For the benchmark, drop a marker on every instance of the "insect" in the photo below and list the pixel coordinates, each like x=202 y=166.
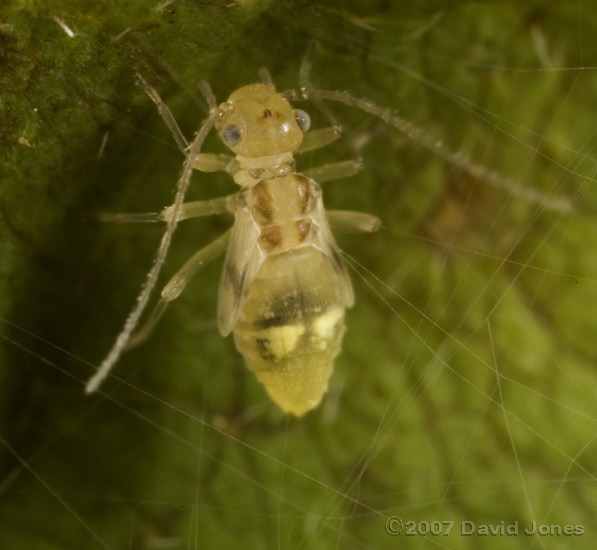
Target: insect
x=284 y=288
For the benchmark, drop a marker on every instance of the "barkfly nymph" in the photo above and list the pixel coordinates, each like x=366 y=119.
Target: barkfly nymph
x=284 y=287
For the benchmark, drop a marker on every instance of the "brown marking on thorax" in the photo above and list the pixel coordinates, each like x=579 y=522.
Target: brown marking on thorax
x=271 y=237
x=262 y=202
x=303 y=227
x=281 y=206
x=303 y=192
x=280 y=199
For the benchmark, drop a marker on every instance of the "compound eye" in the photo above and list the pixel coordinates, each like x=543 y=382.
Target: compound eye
x=302 y=119
x=231 y=135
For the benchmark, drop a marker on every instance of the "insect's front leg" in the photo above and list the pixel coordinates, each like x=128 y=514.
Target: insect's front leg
x=315 y=139
x=335 y=171
x=210 y=162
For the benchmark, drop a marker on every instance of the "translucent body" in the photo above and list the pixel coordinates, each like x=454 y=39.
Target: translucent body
x=286 y=303
x=284 y=287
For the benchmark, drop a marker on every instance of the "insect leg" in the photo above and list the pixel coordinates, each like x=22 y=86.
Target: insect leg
x=349 y=221
x=194 y=209
x=209 y=162
x=205 y=162
x=319 y=138
x=335 y=171
x=128 y=217
x=177 y=284
x=197 y=209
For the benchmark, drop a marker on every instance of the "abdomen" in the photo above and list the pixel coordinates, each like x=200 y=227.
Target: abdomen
x=291 y=325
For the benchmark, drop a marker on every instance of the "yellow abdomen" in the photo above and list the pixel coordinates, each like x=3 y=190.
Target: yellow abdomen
x=291 y=325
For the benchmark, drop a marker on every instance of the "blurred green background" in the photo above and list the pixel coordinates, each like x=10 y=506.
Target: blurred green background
x=466 y=387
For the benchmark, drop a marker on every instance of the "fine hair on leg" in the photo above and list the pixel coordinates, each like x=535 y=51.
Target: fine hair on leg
x=418 y=135
x=152 y=277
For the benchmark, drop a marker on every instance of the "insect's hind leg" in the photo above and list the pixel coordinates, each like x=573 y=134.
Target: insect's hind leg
x=177 y=284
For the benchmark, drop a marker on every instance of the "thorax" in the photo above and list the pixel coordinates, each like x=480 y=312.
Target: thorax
x=283 y=204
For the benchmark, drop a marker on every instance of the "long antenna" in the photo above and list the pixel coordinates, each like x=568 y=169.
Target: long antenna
x=181 y=188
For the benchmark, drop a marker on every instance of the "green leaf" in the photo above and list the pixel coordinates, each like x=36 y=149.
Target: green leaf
x=465 y=279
